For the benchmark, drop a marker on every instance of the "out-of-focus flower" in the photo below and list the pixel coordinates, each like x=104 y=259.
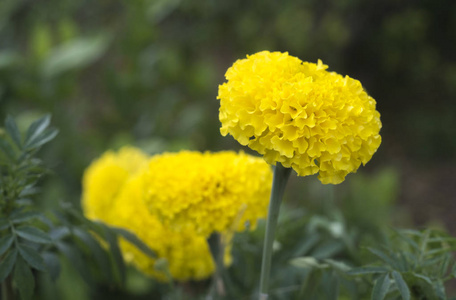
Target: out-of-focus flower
x=300 y=115
x=105 y=177
x=209 y=192
x=113 y=192
x=187 y=253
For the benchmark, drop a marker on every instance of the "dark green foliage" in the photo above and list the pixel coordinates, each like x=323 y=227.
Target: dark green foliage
x=30 y=240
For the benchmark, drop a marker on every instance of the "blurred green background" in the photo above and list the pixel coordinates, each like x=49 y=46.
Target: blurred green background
x=146 y=72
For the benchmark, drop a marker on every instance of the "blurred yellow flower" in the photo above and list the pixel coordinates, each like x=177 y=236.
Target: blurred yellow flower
x=208 y=192
x=187 y=253
x=105 y=177
x=300 y=115
x=113 y=192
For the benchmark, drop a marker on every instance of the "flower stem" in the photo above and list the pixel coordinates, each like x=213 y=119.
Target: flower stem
x=279 y=182
x=217 y=250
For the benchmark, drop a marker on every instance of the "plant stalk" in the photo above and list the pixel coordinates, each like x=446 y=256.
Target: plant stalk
x=217 y=250
x=279 y=181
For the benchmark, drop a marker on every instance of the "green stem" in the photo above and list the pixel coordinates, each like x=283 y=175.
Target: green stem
x=217 y=250
x=279 y=182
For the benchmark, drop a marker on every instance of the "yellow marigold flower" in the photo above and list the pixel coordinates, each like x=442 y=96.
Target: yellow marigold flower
x=300 y=115
x=210 y=192
x=187 y=253
x=113 y=191
x=105 y=177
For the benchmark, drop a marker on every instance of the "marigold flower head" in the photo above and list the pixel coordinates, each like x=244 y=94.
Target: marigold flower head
x=104 y=178
x=210 y=192
x=113 y=192
x=300 y=115
x=186 y=252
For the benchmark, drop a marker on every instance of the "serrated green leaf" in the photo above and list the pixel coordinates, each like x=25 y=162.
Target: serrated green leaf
x=37 y=127
x=6 y=148
x=42 y=138
x=33 y=234
x=401 y=285
x=32 y=256
x=52 y=262
x=367 y=270
x=13 y=131
x=5 y=243
x=381 y=287
x=23 y=277
x=25 y=216
x=132 y=238
x=7 y=264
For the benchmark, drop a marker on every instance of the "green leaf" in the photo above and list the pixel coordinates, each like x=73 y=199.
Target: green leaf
x=59 y=233
x=5 y=243
x=401 y=285
x=6 y=148
x=25 y=216
x=4 y=223
x=307 y=262
x=135 y=241
x=13 y=131
x=37 y=127
x=409 y=241
x=328 y=249
x=52 y=262
x=29 y=190
x=338 y=265
x=367 y=270
x=113 y=242
x=32 y=257
x=33 y=234
x=96 y=250
x=425 y=278
x=8 y=58
x=307 y=244
x=440 y=290
x=383 y=256
x=23 y=277
x=381 y=287
x=7 y=264
x=444 y=265
x=74 y=54
x=42 y=138
x=75 y=258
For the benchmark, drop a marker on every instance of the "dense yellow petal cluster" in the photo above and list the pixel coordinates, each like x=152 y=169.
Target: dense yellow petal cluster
x=186 y=252
x=300 y=115
x=113 y=188
x=105 y=177
x=209 y=192
x=195 y=194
